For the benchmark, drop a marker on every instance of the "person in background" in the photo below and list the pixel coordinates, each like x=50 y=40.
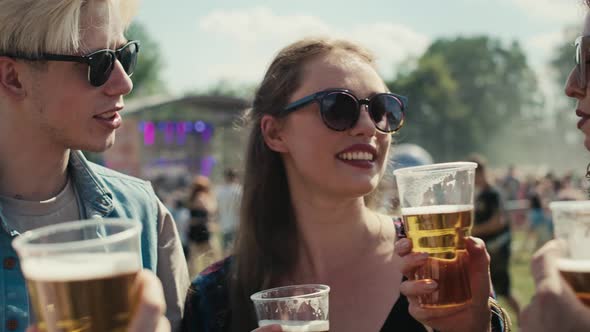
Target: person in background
x=491 y=225
x=202 y=206
x=511 y=184
x=402 y=155
x=65 y=67
x=182 y=216
x=229 y=195
x=539 y=224
x=555 y=307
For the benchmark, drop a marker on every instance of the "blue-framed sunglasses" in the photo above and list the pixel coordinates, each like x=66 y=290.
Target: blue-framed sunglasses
x=340 y=109
x=100 y=63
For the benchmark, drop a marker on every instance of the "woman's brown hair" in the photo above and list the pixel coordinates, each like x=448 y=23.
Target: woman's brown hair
x=266 y=247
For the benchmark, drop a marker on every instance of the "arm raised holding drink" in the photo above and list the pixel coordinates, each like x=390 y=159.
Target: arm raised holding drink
x=149 y=315
x=473 y=316
x=554 y=306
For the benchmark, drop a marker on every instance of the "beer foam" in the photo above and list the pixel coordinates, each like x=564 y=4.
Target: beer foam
x=298 y=326
x=572 y=265
x=436 y=209
x=76 y=267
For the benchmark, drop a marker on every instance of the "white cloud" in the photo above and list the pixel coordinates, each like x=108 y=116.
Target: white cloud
x=544 y=44
x=557 y=10
x=253 y=36
x=260 y=25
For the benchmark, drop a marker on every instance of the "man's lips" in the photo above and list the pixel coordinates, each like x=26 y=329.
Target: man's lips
x=110 y=119
x=110 y=113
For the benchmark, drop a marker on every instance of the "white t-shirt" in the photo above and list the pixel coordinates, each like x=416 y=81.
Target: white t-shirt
x=24 y=215
x=229 y=197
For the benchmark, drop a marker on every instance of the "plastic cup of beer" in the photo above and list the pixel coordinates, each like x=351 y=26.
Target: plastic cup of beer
x=437 y=208
x=80 y=274
x=297 y=308
x=571 y=221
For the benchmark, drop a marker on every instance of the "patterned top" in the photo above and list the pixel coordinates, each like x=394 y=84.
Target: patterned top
x=207 y=307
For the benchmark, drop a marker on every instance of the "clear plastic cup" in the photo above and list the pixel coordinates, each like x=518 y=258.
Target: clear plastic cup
x=297 y=308
x=80 y=274
x=571 y=221
x=437 y=207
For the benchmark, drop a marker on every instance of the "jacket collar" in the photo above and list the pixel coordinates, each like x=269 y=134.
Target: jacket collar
x=95 y=200
x=94 y=196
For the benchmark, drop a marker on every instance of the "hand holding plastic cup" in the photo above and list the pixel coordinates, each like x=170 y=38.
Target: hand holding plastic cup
x=437 y=207
x=80 y=274
x=571 y=220
x=297 y=308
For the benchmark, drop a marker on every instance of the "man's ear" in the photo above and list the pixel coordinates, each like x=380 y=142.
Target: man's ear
x=272 y=132
x=10 y=77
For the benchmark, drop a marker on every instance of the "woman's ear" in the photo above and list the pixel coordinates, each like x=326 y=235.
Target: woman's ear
x=271 y=129
x=10 y=80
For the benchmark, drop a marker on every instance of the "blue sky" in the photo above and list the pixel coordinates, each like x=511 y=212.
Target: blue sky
x=205 y=41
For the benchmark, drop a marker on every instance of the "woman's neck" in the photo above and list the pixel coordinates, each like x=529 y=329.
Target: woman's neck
x=331 y=235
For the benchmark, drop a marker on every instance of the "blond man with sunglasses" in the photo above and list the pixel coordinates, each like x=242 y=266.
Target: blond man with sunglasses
x=555 y=307
x=65 y=66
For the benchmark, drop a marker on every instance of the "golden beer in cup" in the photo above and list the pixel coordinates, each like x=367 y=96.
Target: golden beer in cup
x=80 y=274
x=437 y=209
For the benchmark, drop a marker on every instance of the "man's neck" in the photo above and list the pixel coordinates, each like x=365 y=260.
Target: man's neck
x=32 y=172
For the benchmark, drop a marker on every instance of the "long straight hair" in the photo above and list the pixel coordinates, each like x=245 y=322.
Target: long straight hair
x=266 y=247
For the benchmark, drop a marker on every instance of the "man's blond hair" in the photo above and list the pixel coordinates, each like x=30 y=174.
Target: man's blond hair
x=32 y=27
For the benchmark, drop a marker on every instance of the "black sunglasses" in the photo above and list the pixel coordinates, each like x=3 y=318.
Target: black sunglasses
x=340 y=109
x=582 y=48
x=100 y=63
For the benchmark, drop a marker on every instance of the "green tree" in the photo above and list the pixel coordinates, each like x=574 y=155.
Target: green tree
x=228 y=88
x=463 y=91
x=146 y=79
x=563 y=55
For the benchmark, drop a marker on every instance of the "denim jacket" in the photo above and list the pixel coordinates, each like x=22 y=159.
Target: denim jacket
x=101 y=193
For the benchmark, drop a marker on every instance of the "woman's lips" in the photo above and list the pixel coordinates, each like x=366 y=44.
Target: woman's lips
x=584 y=117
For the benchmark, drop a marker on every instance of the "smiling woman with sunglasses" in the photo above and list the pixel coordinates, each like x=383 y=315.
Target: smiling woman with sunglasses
x=65 y=66
x=321 y=125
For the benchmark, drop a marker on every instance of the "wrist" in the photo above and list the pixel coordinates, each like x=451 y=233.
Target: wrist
x=481 y=322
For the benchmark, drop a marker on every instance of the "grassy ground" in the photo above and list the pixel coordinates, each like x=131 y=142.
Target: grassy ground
x=522 y=282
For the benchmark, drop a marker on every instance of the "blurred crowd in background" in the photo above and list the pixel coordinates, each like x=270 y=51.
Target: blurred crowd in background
x=207 y=211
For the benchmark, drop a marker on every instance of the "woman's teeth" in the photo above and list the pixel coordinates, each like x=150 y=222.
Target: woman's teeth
x=356 y=156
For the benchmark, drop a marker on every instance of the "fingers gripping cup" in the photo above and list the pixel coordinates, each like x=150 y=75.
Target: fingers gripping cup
x=437 y=207
x=297 y=308
x=80 y=274
x=572 y=229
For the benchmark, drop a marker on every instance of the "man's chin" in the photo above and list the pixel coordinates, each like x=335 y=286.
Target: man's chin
x=96 y=148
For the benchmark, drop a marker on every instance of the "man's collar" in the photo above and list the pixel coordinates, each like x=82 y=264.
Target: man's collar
x=93 y=192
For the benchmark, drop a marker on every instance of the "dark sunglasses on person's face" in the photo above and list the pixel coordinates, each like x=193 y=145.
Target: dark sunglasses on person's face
x=100 y=63
x=582 y=60
x=340 y=109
